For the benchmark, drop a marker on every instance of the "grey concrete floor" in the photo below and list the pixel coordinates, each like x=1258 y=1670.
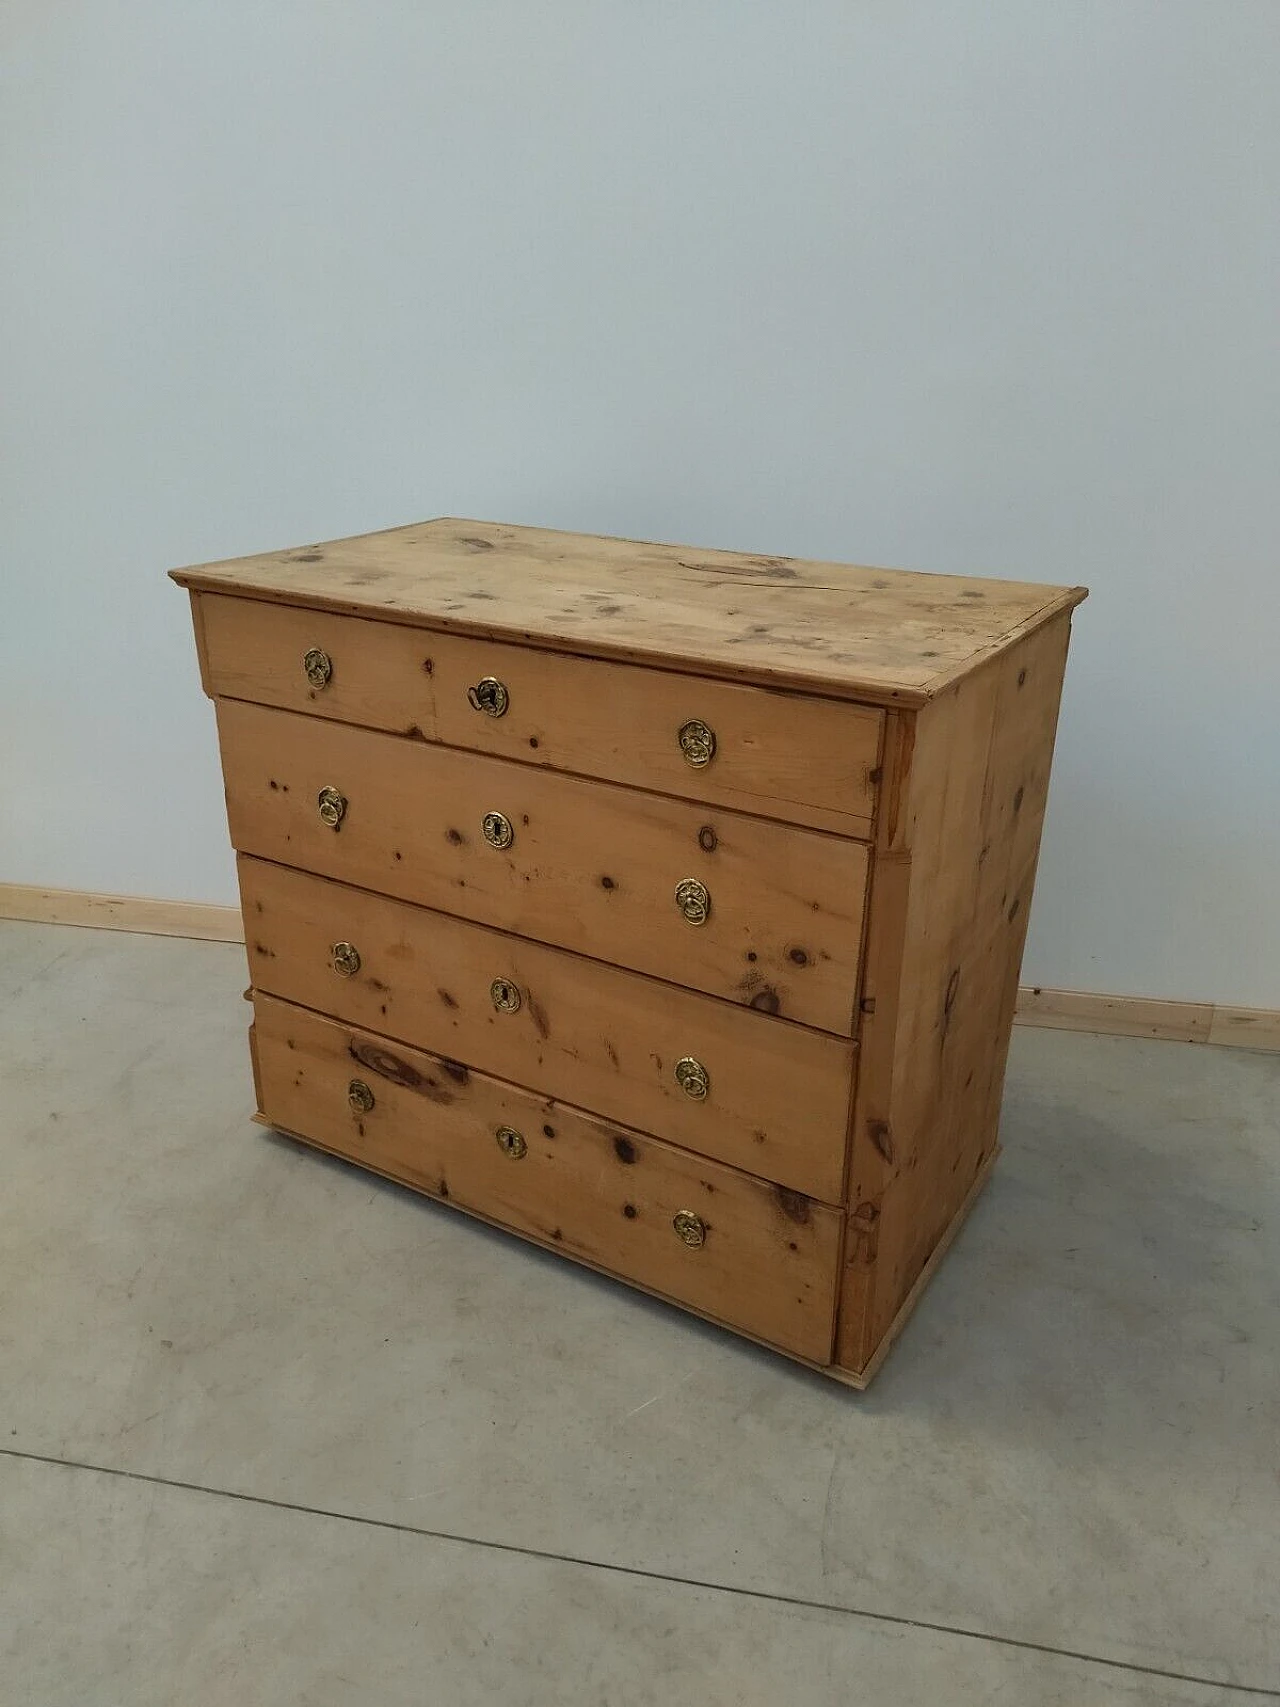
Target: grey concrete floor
x=274 y=1431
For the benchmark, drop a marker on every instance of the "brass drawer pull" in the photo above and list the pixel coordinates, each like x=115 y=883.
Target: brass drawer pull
x=497 y=830
x=317 y=666
x=333 y=806
x=359 y=1096
x=691 y=1076
x=511 y=1142
x=344 y=957
x=691 y=1229
x=694 y=900
x=490 y=696
x=697 y=743
x=505 y=996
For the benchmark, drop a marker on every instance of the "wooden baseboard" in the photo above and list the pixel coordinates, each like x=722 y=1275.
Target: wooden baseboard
x=1145 y=1016
x=1065 y=1010
x=139 y=913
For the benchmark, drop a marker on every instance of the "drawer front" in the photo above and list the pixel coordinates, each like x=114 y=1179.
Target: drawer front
x=757 y=1257
x=343 y=667
x=782 y=755
x=746 y=1089
x=610 y=872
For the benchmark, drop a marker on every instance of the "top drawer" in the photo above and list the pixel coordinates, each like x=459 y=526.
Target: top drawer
x=781 y=755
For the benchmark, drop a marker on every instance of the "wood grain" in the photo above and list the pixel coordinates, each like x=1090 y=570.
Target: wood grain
x=141 y=913
x=605 y=1039
x=783 y=755
x=849 y=706
x=1085 y=1010
x=1121 y=1016
x=601 y=1193
x=382 y=676
x=951 y=890
x=1245 y=1028
x=864 y=1377
x=593 y=867
x=884 y=636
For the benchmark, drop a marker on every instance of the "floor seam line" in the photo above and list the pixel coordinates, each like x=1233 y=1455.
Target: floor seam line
x=901 y=1620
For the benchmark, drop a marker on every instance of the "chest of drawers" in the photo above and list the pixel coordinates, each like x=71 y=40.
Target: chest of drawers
x=662 y=906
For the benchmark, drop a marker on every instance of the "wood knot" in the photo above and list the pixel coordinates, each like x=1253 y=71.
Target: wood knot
x=794 y=1205
x=881 y=1135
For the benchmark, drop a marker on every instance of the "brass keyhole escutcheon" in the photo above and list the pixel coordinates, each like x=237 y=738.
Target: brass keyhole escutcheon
x=691 y=1229
x=697 y=743
x=505 y=995
x=497 y=830
x=333 y=806
x=344 y=957
x=317 y=666
x=694 y=900
x=691 y=1076
x=511 y=1142
x=359 y=1096
x=490 y=696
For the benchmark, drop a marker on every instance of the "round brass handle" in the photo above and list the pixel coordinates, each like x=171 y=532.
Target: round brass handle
x=344 y=957
x=511 y=1142
x=317 y=666
x=332 y=804
x=490 y=696
x=359 y=1096
x=697 y=743
x=497 y=830
x=694 y=900
x=505 y=995
x=692 y=1078
x=691 y=1229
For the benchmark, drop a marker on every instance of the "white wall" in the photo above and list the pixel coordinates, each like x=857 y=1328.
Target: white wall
x=988 y=287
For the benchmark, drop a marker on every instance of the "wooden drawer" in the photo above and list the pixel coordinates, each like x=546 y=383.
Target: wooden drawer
x=768 y=1258
x=775 y=1097
x=592 y=867
x=782 y=755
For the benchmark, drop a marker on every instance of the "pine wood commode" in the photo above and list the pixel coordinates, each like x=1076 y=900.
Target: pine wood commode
x=662 y=906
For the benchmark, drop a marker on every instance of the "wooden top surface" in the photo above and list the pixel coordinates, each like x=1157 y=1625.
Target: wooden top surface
x=886 y=635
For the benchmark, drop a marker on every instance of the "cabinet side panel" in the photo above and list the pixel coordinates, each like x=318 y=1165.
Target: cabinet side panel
x=202 y=644
x=257 y=1070
x=951 y=892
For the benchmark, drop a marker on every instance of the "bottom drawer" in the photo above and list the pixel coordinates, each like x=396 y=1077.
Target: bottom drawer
x=749 y=1254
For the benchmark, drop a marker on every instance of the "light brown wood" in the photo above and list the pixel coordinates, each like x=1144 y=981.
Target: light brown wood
x=950 y=895
x=863 y=1378
x=143 y=914
x=1147 y=1016
x=867 y=829
x=1080 y=1010
x=883 y=636
x=593 y=867
x=383 y=674
x=1245 y=1028
x=843 y=1377
x=1120 y=1016
x=781 y=755
x=591 y=1034
x=1068 y=1010
x=605 y=1194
